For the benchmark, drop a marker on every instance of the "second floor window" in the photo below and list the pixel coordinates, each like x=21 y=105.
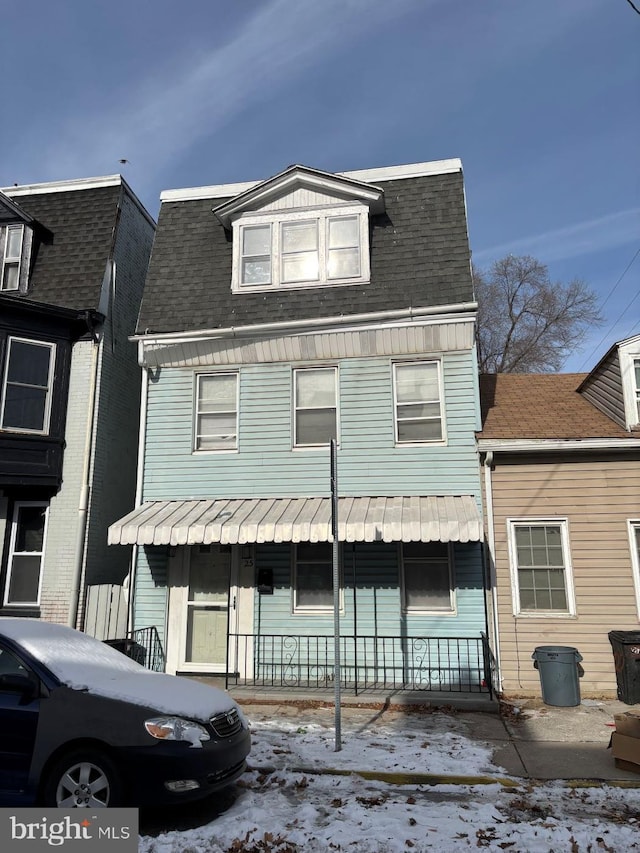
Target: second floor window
x=418 y=409
x=636 y=377
x=315 y=406
x=11 y=239
x=216 y=420
x=26 y=391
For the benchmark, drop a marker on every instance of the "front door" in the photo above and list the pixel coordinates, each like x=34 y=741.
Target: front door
x=207 y=608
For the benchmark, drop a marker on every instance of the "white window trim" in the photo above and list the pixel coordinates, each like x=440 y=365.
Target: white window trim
x=294 y=407
x=632 y=525
x=571 y=612
x=12 y=552
x=195 y=414
x=47 y=409
x=310 y=610
x=452 y=610
x=434 y=442
x=629 y=389
x=14 y=260
x=276 y=219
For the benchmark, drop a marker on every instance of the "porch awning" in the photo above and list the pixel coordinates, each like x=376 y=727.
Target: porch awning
x=250 y=520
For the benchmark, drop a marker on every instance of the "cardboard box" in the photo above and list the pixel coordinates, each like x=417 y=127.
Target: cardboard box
x=626 y=750
x=628 y=723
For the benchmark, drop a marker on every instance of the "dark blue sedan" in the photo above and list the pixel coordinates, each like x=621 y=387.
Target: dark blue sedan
x=82 y=725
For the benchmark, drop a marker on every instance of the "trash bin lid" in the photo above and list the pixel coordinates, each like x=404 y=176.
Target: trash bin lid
x=554 y=652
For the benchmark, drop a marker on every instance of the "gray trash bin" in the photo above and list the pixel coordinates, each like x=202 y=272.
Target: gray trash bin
x=559 y=674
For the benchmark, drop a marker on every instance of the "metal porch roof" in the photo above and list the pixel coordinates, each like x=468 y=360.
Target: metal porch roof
x=251 y=520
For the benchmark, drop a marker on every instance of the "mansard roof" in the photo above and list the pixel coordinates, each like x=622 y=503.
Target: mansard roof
x=419 y=251
x=75 y=223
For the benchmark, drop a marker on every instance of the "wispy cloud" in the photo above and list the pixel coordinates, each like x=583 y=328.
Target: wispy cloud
x=183 y=102
x=583 y=238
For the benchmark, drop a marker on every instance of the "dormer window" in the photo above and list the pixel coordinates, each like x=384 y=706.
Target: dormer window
x=301 y=248
x=301 y=228
x=12 y=238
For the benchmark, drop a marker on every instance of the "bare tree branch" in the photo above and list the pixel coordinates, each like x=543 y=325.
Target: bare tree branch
x=526 y=322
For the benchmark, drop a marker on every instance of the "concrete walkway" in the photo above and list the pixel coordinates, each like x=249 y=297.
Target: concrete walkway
x=529 y=739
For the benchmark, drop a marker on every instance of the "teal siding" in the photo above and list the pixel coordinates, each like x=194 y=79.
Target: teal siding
x=265 y=464
x=377 y=600
x=368 y=464
x=151 y=589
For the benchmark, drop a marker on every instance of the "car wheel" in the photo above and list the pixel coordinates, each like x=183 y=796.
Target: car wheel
x=83 y=779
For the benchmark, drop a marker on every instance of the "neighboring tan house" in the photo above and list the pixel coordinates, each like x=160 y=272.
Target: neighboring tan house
x=279 y=315
x=73 y=259
x=561 y=469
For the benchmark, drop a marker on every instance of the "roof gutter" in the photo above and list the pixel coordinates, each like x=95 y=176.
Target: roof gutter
x=545 y=445
x=308 y=324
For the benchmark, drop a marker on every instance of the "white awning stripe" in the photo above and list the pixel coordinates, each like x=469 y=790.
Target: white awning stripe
x=251 y=520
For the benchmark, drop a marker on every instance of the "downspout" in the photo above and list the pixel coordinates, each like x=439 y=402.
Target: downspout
x=83 y=504
x=491 y=563
x=131 y=578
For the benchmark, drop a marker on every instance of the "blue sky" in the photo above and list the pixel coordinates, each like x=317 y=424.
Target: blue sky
x=540 y=100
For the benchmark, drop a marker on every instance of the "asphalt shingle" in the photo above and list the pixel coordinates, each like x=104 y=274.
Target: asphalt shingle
x=419 y=257
x=541 y=406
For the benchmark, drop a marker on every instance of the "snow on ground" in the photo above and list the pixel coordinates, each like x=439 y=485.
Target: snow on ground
x=288 y=801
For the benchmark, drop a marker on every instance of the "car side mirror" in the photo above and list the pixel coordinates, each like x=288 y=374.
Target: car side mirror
x=25 y=685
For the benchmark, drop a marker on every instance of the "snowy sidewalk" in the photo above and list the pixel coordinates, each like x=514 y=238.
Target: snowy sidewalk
x=403 y=781
x=533 y=741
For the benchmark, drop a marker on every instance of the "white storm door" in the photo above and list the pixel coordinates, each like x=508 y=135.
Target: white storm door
x=207 y=610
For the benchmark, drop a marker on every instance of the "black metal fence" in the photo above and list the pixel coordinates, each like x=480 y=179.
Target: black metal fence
x=147 y=648
x=297 y=662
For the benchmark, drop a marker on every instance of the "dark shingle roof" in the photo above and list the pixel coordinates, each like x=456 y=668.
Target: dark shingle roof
x=419 y=257
x=541 y=406
x=75 y=230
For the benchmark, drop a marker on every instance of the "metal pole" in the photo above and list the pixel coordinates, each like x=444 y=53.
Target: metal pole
x=336 y=591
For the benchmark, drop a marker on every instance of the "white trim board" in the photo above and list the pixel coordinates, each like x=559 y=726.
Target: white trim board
x=384 y=173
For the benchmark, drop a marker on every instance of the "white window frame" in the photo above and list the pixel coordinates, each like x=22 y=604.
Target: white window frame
x=311 y=610
x=11 y=260
x=630 y=390
x=196 y=412
x=322 y=215
x=13 y=553
x=428 y=611
x=49 y=388
x=443 y=427
x=633 y=524
x=294 y=397
x=563 y=523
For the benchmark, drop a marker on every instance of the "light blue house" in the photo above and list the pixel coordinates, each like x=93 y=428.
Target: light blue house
x=277 y=316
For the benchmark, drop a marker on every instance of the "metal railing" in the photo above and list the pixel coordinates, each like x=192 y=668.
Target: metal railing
x=298 y=662
x=147 y=648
